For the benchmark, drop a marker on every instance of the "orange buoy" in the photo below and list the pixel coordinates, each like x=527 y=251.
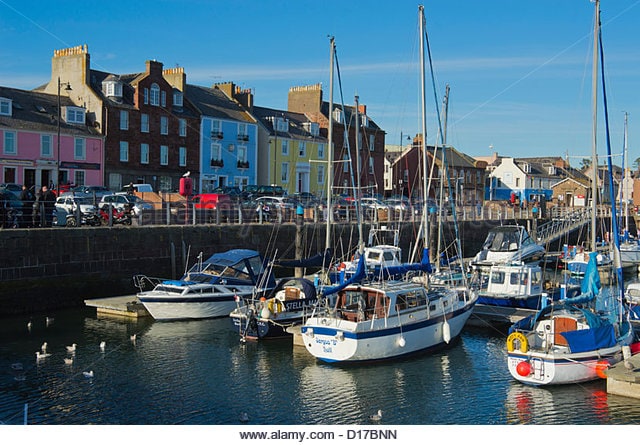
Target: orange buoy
x=523 y=369
x=601 y=368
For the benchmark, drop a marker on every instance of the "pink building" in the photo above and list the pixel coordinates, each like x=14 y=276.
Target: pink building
x=29 y=149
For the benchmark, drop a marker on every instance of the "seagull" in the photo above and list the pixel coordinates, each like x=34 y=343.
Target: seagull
x=628 y=365
x=68 y=361
x=133 y=338
x=40 y=355
x=49 y=321
x=103 y=345
x=244 y=417
x=29 y=326
x=377 y=416
x=44 y=347
x=72 y=348
x=88 y=374
x=186 y=175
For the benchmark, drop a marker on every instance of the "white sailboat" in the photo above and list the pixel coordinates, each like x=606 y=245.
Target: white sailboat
x=575 y=339
x=387 y=319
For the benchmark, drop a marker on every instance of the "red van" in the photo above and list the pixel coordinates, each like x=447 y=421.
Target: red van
x=212 y=201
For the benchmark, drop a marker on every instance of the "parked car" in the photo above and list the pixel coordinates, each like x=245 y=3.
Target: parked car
x=12 y=188
x=398 y=205
x=69 y=203
x=344 y=208
x=212 y=201
x=277 y=202
x=270 y=190
x=234 y=193
x=124 y=201
x=142 y=188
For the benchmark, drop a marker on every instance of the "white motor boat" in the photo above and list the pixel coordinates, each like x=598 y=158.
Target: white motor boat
x=210 y=289
x=508 y=245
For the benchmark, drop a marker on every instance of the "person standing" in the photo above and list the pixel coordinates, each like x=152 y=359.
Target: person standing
x=27 y=199
x=48 y=205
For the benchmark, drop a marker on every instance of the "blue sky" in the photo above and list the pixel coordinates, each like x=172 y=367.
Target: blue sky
x=519 y=71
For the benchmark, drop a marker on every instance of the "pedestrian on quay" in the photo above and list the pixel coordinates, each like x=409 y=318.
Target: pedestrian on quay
x=27 y=198
x=36 y=212
x=49 y=203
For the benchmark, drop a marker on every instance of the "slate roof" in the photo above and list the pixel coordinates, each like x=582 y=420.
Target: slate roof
x=349 y=114
x=212 y=102
x=296 y=122
x=36 y=111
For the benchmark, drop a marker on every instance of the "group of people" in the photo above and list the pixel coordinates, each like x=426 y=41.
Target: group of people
x=38 y=208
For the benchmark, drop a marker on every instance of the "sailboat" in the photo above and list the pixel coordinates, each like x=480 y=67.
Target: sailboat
x=385 y=320
x=629 y=248
x=575 y=339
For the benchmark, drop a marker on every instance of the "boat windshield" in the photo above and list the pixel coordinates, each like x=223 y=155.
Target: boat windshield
x=502 y=241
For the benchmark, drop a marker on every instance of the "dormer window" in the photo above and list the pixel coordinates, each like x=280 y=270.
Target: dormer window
x=312 y=127
x=74 y=115
x=526 y=167
x=177 y=98
x=337 y=116
x=112 y=87
x=552 y=169
x=5 y=106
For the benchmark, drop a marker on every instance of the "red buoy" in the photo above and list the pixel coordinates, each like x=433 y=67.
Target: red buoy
x=523 y=369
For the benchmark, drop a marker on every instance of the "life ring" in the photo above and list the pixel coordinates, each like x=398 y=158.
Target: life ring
x=511 y=342
x=275 y=308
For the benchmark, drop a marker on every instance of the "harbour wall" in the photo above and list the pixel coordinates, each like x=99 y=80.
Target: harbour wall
x=47 y=269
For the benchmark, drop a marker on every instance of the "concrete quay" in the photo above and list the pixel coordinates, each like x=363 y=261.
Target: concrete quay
x=623 y=378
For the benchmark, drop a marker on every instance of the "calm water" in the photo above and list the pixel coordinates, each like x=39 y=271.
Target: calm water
x=198 y=373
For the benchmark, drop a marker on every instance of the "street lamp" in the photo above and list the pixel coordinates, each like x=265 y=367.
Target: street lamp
x=67 y=88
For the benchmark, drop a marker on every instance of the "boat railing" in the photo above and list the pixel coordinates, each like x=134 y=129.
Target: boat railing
x=144 y=282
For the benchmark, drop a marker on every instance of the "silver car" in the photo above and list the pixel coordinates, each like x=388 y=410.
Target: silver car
x=123 y=201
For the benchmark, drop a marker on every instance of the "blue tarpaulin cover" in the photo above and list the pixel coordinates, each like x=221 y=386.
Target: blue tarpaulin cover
x=585 y=340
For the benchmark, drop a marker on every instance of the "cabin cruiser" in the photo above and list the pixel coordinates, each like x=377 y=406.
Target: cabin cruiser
x=508 y=245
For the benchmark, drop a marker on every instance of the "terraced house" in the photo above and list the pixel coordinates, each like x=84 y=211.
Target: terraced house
x=151 y=132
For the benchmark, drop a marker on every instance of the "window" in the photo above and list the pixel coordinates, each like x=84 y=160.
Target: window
x=345 y=164
x=285 y=147
x=5 y=106
x=155 y=95
x=75 y=115
x=337 y=115
x=320 y=174
x=145 y=96
x=242 y=153
x=144 y=153
x=216 y=127
x=124 y=151
x=79 y=149
x=182 y=156
x=124 y=120
x=372 y=142
x=370 y=166
x=285 y=172
x=216 y=152
x=182 y=129
x=144 y=123
x=10 y=143
x=242 y=131
x=164 y=155
x=164 y=125
x=78 y=177
x=46 y=142
x=302 y=149
x=320 y=151
x=163 y=98
x=177 y=98
x=517 y=182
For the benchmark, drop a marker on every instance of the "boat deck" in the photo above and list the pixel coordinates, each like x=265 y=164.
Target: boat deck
x=122 y=306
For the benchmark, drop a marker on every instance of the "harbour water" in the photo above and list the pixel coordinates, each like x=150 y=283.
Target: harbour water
x=199 y=373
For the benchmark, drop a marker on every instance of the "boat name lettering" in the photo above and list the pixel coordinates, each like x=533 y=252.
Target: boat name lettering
x=299 y=304
x=326 y=342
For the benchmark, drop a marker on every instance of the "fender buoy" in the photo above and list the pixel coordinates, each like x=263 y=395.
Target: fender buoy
x=601 y=368
x=275 y=306
x=342 y=266
x=511 y=342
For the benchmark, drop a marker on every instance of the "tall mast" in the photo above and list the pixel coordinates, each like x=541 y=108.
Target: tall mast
x=358 y=172
x=425 y=229
x=594 y=131
x=330 y=146
x=624 y=181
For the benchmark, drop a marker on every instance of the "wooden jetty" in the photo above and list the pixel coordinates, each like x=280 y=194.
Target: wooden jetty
x=623 y=378
x=122 y=306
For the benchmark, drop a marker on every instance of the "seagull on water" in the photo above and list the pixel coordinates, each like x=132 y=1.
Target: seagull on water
x=29 y=324
x=377 y=416
x=88 y=374
x=72 y=348
x=44 y=347
x=133 y=338
x=41 y=355
x=244 y=417
x=103 y=345
x=49 y=321
x=68 y=361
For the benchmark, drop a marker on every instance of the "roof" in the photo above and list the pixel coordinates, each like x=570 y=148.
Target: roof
x=296 y=122
x=37 y=111
x=212 y=102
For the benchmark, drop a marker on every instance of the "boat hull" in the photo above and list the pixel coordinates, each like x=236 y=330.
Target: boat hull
x=168 y=309
x=336 y=340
